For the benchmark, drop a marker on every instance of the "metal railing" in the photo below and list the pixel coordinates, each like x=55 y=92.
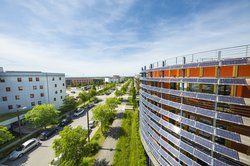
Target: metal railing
x=211 y=55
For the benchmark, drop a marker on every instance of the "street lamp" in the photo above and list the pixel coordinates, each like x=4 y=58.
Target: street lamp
x=88 y=123
x=18 y=117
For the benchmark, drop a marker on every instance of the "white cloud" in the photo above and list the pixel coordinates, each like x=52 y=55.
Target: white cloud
x=48 y=43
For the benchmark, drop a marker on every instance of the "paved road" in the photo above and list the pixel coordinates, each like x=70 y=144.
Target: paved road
x=106 y=154
x=42 y=155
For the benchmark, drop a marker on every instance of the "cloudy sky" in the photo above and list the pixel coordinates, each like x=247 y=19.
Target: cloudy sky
x=106 y=37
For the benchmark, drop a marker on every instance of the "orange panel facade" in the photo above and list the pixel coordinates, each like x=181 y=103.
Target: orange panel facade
x=226 y=71
x=244 y=71
x=194 y=72
x=209 y=72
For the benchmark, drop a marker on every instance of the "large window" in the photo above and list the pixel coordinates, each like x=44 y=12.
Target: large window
x=41 y=86
x=34 y=87
x=33 y=103
x=20 y=88
x=224 y=89
x=207 y=88
x=42 y=94
x=7 y=89
x=194 y=87
x=4 y=98
x=30 y=79
x=19 y=79
x=37 y=79
x=32 y=95
x=17 y=97
x=2 y=80
x=10 y=107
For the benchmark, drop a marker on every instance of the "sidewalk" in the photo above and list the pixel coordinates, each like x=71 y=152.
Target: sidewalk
x=106 y=154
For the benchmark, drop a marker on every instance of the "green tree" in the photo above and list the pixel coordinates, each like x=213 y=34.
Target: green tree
x=118 y=93
x=92 y=93
x=84 y=96
x=111 y=102
x=104 y=114
x=69 y=103
x=42 y=115
x=5 y=135
x=71 y=145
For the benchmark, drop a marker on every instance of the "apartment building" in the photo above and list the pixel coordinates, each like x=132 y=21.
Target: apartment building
x=195 y=109
x=82 y=81
x=29 y=88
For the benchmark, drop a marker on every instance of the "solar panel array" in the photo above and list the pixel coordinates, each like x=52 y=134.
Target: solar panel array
x=224 y=62
x=201 y=155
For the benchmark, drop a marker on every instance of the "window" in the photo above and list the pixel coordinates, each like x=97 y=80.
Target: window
x=18 y=106
x=39 y=102
x=34 y=87
x=42 y=94
x=33 y=103
x=60 y=91
x=61 y=97
x=207 y=88
x=4 y=98
x=41 y=86
x=20 y=88
x=54 y=99
x=55 y=85
x=32 y=95
x=60 y=78
x=224 y=89
x=7 y=89
x=63 y=84
x=193 y=87
x=10 y=107
x=53 y=79
x=2 y=80
x=19 y=79
x=30 y=79
x=55 y=92
x=17 y=97
x=37 y=79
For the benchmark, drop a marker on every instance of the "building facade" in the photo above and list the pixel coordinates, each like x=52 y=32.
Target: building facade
x=196 y=110
x=114 y=79
x=82 y=81
x=26 y=89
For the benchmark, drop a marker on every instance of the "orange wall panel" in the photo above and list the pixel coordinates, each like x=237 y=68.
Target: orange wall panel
x=194 y=72
x=173 y=73
x=243 y=91
x=244 y=71
x=226 y=71
x=209 y=72
x=166 y=73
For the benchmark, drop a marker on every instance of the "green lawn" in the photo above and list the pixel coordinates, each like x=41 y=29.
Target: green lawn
x=7 y=116
x=129 y=150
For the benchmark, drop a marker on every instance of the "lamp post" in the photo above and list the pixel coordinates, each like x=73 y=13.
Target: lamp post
x=88 y=124
x=19 y=122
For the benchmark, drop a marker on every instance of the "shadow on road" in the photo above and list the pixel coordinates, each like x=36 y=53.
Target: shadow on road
x=119 y=115
x=102 y=162
x=116 y=132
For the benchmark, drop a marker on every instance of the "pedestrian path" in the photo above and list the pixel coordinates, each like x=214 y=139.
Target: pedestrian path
x=106 y=154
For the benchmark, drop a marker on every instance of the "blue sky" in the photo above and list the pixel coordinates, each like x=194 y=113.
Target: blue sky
x=105 y=37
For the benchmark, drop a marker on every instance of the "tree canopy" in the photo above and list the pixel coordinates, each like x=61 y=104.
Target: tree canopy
x=111 y=102
x=42 y=115
x=84 y=96
x=69 y=102
x=104 y=114
x=5 y=135
x=71 y=145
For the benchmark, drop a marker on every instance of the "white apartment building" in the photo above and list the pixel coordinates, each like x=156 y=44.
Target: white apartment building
x=114 y=79
x=29 y=88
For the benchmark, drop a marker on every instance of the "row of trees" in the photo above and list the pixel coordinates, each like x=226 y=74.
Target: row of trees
x=123 y=89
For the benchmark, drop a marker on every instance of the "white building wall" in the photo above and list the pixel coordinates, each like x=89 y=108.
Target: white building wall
x=45 y=80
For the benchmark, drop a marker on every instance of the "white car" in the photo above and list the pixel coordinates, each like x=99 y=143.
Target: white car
x=78 y=112
x=56 y=161
x=25 y=147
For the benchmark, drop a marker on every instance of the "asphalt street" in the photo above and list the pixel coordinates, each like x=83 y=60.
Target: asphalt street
x=43 y=154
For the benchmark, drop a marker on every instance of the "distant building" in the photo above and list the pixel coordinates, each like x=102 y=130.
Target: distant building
x=29 y=88
x=82 y=81
x=114 y=79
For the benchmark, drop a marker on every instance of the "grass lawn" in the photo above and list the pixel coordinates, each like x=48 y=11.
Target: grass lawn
x=129 y=148
x=7 y=116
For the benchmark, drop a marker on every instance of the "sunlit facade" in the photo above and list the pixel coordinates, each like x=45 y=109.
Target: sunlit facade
x=195 y=109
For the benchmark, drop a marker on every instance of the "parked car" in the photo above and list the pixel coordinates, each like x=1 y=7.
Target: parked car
x=91 y=124
x=65 y=121
x=73 y=91
x=79 y=111
x=91 y=105
x=96 y=101
x=47 y=133
x=25 y=147
x=108 y=93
